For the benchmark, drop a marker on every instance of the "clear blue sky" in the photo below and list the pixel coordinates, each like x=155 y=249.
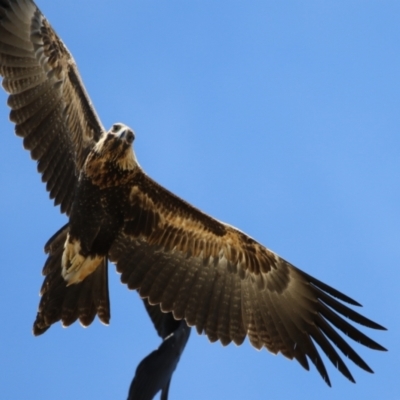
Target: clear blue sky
x=281 y=118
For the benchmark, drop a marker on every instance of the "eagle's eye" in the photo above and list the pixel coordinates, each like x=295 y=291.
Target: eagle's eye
x=115 y=128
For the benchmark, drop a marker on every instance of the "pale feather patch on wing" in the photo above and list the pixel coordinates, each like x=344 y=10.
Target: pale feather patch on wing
x=187 y=230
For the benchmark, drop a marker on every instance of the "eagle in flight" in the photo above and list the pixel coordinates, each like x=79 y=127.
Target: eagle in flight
x=204 y=271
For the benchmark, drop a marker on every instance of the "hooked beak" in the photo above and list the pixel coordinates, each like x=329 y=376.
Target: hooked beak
x=127 y=135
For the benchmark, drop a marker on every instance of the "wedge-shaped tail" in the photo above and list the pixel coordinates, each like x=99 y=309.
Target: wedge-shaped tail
x=59 y=302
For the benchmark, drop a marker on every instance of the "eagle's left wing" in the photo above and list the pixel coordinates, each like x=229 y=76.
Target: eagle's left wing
x=49 y=105
x=228 y=285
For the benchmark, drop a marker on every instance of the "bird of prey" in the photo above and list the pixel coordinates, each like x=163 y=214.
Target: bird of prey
x=212 y=275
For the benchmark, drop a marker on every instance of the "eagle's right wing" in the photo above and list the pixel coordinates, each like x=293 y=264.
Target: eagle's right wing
x=228 y=285
x=49 y=104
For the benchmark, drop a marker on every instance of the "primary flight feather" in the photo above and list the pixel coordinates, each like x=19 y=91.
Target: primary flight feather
x=209 y=273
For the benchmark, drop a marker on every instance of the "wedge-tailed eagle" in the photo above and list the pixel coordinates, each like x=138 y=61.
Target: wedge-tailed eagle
x=206 y=272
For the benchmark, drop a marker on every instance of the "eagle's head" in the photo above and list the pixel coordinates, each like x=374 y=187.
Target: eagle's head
x=115 y=146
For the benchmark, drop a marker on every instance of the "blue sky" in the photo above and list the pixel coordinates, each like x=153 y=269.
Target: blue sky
x=281 y=118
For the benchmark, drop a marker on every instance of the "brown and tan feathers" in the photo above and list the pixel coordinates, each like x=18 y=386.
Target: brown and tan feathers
x=67 y=304
x=210 y=274
x=166 y=220
x=228 y=285
x=49 y=104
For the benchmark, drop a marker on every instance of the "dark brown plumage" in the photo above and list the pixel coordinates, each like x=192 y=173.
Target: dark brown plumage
x=68 y=303
x=204 y=271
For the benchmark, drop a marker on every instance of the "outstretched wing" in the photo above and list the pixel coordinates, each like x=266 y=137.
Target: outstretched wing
x=228 y=285
x=49 y=104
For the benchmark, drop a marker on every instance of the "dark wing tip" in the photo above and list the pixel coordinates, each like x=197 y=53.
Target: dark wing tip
x=326 y=378
x=329 y=289
x=374 y=325
x=379 y=347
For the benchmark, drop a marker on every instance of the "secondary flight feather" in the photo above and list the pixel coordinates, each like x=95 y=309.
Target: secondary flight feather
x=206 y=272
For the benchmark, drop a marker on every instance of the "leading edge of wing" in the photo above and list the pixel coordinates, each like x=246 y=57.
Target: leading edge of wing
x=49 y=104
x=229 y=286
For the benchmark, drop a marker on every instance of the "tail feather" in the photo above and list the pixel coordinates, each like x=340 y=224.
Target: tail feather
x=68 y=303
